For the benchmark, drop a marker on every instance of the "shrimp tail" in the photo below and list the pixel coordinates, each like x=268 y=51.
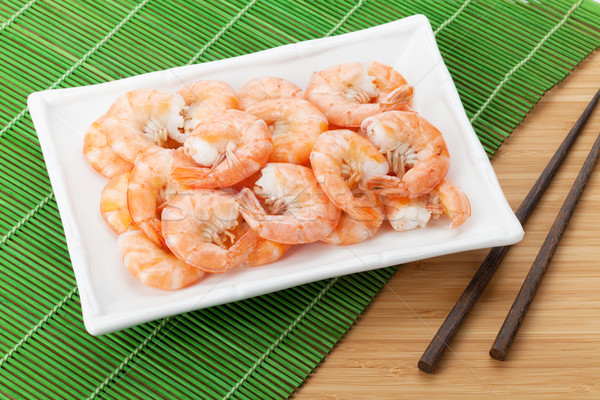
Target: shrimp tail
x=243 y=247
x=386 y=185
x=153 y=230
x=458 y=218
x=398 y=98
x=362 y=210
x=249 y=204
x=194 y=177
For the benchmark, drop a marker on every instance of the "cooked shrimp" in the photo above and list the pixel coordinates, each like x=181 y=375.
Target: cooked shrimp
x=150 y=187
x=347 y=94
x=390 y=83
x=350 y=230
x=100 y=155
x=113 y=204
x=231 y=146
x=415 y=149
x=342 y=162
x=204 y=228
x=265 y=252
x=203 y=99
x=143 y=119
x=294 y=124
x=267 y=87
x=446 y=199
x=154 y=266
x=405 y=214
x=297 y=210
x=449 y=200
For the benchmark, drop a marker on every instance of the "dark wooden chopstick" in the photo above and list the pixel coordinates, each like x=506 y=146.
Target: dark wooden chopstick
x=484 y=274
x=540 y=265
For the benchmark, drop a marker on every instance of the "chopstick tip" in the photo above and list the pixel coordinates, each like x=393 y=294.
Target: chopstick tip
x=425 y=366
x=497 y=354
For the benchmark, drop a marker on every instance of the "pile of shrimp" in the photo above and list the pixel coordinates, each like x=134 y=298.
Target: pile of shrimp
x=209 y=179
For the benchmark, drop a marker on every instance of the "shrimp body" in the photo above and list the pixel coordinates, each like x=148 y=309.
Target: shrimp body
x=297 y=209
x=265 y=252
x=415 y=149
x=230 y=146
x=143 y=119
x=99 y=154
x=267 y=87
x=445 y=199
x=351 y=230
x=347 y=93
x=113 y=204
x=294 y=124
x=204 y=228
x=405 y=214
x=203 y=99
x=154 y=266
x=343 y=162
x=150 y=187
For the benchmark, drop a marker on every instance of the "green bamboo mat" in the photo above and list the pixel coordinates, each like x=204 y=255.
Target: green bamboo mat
x=502 y=55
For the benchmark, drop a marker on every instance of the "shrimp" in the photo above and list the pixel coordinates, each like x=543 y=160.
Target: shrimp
x=113 y=204
x=203 y=99
x=415 y=149
x=267 y=87
x=350 y=230
x=154 y=266
x=446 y=199
x=347 y=94
x=388 y=81
x=297 y=209
x=405 y=214
x=150 y=187
x=342 y=162
x=99 y=154
x=141 y=120
x=449 y=200
x=265 y=252
x=231 y=146
x=294 y=124
x=204 y=228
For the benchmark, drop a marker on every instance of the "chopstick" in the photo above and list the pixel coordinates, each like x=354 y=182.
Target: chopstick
x=534 y=278
x=484 y=274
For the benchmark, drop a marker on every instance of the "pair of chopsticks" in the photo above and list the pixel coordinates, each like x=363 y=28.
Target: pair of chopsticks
x=484 y=274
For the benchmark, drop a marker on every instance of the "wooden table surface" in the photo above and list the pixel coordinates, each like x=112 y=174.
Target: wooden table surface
x=556 y=354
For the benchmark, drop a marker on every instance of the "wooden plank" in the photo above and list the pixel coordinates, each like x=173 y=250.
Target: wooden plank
x=557 y=350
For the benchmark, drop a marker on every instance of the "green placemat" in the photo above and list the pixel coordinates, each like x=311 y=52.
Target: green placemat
x=502 y=55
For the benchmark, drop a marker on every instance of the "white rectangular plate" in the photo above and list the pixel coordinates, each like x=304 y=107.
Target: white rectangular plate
x=112 y=299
